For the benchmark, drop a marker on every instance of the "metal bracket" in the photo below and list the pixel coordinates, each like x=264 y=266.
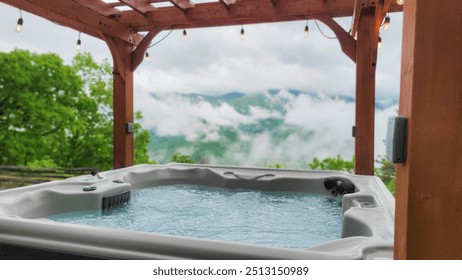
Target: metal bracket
x=130 y=128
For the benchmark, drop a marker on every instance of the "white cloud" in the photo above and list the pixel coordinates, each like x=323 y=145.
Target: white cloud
x=327 y=120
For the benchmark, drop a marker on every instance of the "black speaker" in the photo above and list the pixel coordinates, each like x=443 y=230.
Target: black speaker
x=396 y=139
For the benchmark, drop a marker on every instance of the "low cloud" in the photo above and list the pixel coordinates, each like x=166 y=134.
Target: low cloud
x=327 y=121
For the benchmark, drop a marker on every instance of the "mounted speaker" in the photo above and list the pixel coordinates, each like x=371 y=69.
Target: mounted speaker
x=396 y=139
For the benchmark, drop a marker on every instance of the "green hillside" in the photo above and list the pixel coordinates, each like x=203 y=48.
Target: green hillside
x=260 y=134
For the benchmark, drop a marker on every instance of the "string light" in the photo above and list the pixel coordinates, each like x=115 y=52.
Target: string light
x=242 y=33
x=324 y=34
x=185 y=35
x=146 y=57
x=20 y=22
x=400 y=2
x=379 y=44
x=306 y=30
x=79 y=44
x=386 y=24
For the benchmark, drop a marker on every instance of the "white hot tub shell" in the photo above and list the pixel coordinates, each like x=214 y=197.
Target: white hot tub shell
x=26 y=233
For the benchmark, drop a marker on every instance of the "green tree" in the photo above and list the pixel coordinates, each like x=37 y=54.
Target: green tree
x=387 y=172
x=277 y=165
x=52 y=114
x=332 y=163
x=180 y=158
x=141 y=142
x=36 y=97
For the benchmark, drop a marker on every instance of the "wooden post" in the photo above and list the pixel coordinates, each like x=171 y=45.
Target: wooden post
x=428 y=223
x=126 y=59
x=122 y=101
x=366 y=55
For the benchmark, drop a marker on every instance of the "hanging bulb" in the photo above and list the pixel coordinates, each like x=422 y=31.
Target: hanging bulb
x=400 y=2
x=386 y=24
x=242 y=33
x=379 y=44
x=19 y=24
x=146 y=57
x=79 y=44
x=306 y=30
x=185 y=35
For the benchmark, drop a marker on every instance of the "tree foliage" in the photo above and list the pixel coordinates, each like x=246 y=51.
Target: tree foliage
x=276 y=165
x=180 y=158
x=386 y=171
x=53 y=114
x=332 y=163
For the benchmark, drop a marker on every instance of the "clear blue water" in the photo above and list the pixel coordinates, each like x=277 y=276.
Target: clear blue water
x=282 y=219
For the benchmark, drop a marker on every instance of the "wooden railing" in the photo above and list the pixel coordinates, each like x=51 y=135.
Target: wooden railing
x=18 y=176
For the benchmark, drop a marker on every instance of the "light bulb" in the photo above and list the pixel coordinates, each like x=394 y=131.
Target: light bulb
x=146 y=57
x=386 y=24
x=306 y=31
x=379 y=44
x=19 y=24
x=185 y=35
x=79 y=43
x=400 y=2
x=242 y=33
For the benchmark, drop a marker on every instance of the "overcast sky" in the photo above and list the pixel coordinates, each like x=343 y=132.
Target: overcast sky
x=216 y=61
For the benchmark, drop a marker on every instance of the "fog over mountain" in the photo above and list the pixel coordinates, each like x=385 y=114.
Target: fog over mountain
x=256 y=129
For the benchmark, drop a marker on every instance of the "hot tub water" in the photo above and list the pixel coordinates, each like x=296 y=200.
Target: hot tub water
x=282 y=219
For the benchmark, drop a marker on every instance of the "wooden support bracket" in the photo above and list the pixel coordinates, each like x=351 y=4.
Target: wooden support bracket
x=347 y=43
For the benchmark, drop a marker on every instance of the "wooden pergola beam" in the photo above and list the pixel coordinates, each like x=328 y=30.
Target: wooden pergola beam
x=241 y=12
x=215 y=14
x=33 y=9
x=73 y=14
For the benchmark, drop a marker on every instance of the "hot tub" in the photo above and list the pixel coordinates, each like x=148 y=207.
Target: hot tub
x=27 y=230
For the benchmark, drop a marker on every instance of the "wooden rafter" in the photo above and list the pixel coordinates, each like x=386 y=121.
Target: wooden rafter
x=99 y=7
x=140 y=6
x=183 y=5
x=242 y=12
x=228 y=3
x=96 y=17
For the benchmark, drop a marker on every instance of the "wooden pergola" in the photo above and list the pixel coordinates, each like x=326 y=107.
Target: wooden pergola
x=428 y=196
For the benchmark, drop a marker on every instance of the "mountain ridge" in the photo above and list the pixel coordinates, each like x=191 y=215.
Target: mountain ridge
x=286 y=126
